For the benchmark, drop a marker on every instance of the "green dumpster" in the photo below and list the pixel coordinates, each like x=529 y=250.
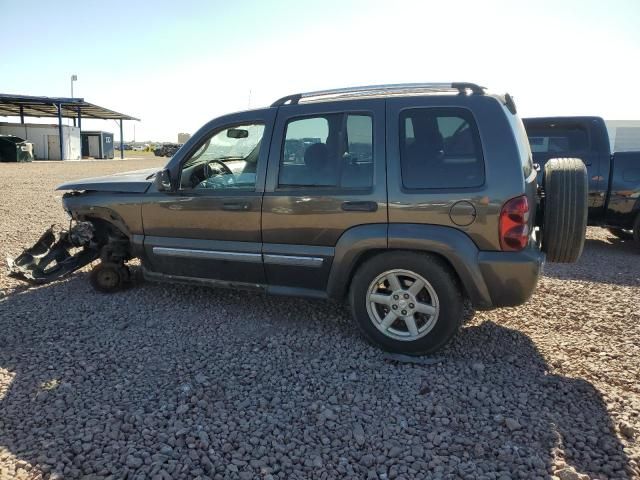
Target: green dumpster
x=15 y=149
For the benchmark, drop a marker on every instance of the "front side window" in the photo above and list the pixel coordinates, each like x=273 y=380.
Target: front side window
x=440 y=148
x=332 y=151
x=226 y=160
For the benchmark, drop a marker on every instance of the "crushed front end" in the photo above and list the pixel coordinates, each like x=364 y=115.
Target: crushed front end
x=58 y=252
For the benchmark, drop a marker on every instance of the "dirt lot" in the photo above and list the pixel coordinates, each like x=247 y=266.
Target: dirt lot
x=179 y=382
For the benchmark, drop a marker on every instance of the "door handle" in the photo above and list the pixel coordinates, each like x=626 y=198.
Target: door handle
x=359 y=206
x=235 y=206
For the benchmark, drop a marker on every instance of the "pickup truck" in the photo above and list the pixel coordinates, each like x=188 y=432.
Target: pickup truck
x=614 y=178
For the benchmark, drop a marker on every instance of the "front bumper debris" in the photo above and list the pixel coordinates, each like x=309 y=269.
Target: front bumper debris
x=57 y=253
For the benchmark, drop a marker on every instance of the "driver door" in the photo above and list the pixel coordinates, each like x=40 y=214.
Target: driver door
x=208 y=227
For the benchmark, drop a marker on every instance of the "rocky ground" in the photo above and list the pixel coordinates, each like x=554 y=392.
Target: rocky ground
x=184 y=382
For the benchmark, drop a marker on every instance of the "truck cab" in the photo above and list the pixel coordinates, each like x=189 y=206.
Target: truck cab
x=614 y=178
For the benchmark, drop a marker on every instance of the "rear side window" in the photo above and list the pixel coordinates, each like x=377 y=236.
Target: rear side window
x=440 y=148
x=558 y=140
x=331 y=151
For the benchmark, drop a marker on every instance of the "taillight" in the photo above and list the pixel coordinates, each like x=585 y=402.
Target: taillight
x=514 y=228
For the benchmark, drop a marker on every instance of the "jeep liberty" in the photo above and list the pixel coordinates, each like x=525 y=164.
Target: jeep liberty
x=409 y=201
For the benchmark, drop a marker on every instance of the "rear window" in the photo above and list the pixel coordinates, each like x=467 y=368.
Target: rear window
x=556 y=140
x=440 y=148
x=524 y=149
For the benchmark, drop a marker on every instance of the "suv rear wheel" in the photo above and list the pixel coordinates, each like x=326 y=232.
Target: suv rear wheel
x=407 y=302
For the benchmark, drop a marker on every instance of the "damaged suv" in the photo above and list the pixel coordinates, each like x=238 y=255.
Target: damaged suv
x=408 y=200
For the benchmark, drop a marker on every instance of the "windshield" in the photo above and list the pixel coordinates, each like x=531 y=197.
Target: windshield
x=235 y=143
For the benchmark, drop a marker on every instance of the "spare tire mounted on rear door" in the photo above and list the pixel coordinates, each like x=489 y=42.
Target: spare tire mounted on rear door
x=564 y=208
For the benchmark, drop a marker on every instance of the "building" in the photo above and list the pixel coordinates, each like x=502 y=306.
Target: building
x=183 y=137
x=97 y=144
x=53 y=141
x=624 y=135
x=46 y=139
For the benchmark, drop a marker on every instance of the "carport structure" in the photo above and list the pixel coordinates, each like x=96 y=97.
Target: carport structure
x=59 y=107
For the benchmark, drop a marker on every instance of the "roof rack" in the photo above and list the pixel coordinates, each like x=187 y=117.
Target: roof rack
x=463 y=88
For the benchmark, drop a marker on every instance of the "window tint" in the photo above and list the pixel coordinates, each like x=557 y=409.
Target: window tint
x=226 y=160
x=333 y=150
x=555 y=140
x=440 y=148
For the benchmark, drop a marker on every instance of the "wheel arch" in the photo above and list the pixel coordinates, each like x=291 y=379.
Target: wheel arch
x=114 y=240
x=452 y=246
x=103 y=217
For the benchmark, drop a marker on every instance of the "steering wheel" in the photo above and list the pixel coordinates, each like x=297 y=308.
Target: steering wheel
x=215 y=181
x=225 y=168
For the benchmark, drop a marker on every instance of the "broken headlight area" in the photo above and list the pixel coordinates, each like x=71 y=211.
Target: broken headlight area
x=57 y=253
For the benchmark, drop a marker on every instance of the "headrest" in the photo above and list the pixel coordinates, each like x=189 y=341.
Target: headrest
x=316 y=156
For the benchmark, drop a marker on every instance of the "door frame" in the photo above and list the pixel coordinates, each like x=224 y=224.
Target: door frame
x=304 y=268
x=265 y=116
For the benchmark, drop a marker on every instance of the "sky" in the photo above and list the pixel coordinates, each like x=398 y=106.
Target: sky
x=177 y=64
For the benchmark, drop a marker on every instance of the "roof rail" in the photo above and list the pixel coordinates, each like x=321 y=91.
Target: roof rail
x=400 y=88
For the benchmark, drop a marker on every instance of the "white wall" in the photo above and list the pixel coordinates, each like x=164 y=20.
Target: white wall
x=37 y=134
x=624 y=135
x=73 y=148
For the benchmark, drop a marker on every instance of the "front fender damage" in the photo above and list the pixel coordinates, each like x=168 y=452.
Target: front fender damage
x=56 y=254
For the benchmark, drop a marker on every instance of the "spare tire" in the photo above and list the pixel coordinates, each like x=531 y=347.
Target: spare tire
x=564 y=209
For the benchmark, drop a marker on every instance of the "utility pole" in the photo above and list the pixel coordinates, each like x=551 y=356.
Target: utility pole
x=74 y=77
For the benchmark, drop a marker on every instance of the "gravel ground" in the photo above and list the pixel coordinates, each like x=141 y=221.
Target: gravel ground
x=183 y=382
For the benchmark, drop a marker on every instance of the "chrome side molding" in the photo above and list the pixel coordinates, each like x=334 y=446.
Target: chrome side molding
x=291 y=260
x=272 y=259
x=207 y=254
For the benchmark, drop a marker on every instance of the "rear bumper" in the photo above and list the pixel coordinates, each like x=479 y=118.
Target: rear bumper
x=510 y=277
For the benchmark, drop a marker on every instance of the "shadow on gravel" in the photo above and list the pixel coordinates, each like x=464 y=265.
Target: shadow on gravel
x=613 y=244
x=184 y=382
x=614 y=261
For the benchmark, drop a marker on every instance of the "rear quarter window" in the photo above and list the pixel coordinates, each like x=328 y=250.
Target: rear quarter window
x=440 y=148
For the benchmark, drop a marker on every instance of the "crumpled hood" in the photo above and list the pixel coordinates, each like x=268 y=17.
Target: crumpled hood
x=127 y=182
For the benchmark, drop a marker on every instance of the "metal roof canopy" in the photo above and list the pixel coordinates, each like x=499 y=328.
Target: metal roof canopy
x=30 y=106
x=58 y=107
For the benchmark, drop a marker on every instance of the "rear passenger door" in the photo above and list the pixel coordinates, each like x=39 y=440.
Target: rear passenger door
x=326 y=174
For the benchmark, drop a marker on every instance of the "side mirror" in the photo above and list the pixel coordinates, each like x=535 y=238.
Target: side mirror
x=163 y=181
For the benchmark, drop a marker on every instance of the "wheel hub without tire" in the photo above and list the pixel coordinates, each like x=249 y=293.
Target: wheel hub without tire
x=108 y=278
x=402 y=304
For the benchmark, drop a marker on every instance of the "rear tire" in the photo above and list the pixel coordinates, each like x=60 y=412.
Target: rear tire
x=565 y=205
x=424 y=321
